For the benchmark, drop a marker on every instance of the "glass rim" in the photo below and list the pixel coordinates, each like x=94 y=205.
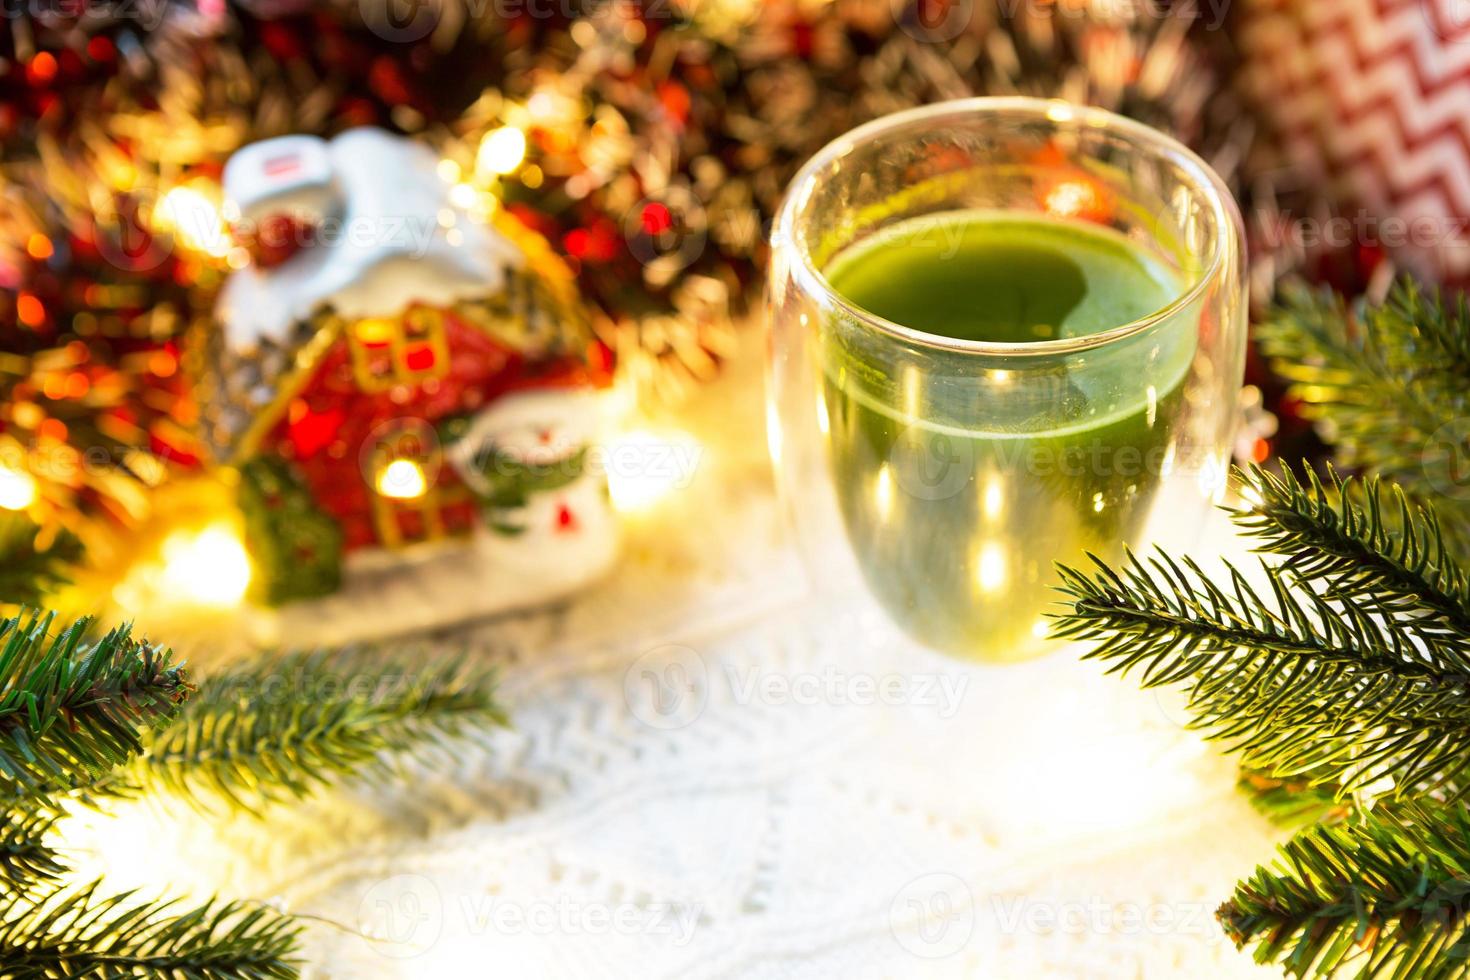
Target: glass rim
x=1222 y=208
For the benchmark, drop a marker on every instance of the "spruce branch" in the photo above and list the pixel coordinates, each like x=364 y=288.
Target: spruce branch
x=26 y=859
x=1298 y=685
x=1381 y=381
x=1386 y=896
x=292 y=725
x=72 y=710
x=30 y=568
x=1294 y=803
x=1440 y=339
x=1391 y=553
x=76 y=932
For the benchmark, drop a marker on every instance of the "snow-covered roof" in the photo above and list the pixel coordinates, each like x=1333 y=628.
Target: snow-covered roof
x=398 y=240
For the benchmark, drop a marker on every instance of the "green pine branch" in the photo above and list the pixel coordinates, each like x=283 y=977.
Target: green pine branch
x=290 y=726
x=1298 y=684
x=1382 y=382
x=1361 y=547
x=76 y=932
x=30 y=569
x=1295 y=803
x=71 y=710
x=1346 y=677
x=26 y=860
x=1387 y=895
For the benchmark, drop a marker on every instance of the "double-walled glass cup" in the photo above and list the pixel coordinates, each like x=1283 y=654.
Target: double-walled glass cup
x=947 y=476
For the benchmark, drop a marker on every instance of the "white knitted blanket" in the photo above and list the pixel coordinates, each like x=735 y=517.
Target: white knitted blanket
x=713 y=775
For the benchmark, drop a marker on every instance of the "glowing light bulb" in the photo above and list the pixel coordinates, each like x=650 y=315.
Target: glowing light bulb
x=403 y=479
x=17 y=489
x=208 y=567
x=501 y=151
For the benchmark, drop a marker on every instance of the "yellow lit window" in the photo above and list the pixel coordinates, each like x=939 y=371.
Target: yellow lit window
x=410 y=505
x=388 y=352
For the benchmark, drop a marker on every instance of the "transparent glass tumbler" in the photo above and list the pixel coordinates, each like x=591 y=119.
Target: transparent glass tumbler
x=947 y=476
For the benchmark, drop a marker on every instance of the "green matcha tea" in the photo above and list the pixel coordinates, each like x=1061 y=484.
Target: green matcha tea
x=963 y=476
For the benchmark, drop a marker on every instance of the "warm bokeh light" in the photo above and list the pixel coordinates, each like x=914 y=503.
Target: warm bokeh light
x=644 y=467
x=208 y=567
x=17 y=488
x=501 y=151
x=30 y=310
x=883 y=492
x=39 y=247
x=193 y=216
x=992 y=500
x=373 y=331
x=990 y=567
x=1071 y=198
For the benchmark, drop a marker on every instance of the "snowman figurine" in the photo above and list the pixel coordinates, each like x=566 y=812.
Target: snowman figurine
x=409 y=395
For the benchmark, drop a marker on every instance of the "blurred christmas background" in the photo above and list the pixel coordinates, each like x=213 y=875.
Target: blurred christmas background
x=649 y=142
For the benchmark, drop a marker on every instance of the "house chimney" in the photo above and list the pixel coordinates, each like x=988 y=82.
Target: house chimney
x=278 y=192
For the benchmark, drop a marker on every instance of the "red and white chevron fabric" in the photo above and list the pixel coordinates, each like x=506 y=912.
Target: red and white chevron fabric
x=1374 y=96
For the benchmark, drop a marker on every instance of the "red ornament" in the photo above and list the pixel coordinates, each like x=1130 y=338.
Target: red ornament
x=656 y=218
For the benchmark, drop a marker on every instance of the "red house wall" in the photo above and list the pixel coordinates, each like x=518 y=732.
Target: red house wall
x=327 y=425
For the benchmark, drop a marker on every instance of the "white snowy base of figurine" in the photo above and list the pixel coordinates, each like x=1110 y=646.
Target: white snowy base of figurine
x=455 y=581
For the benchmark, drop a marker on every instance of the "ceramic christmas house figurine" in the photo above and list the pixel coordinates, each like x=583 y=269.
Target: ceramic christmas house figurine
x=403 y=391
